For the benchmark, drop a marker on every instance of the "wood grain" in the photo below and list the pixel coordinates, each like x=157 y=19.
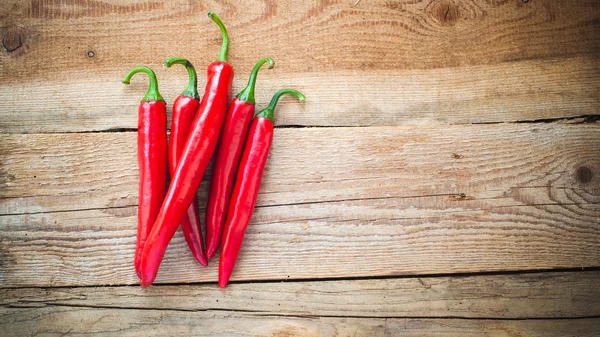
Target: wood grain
x=433 y=194
x=376 y=35
x=467 y=166
x=343 y=239
x=379 y=63
x=516 y=91
x=535 y=295
x=67 y=321
x=377 y=201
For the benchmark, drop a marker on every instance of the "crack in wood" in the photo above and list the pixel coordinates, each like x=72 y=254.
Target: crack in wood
x=581 y=119
x=296 y=315
x=419 y=277
x=453 y=196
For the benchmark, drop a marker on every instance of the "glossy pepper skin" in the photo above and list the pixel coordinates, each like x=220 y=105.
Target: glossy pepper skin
x=199 y=148
x=231 y=143
x=247 y=184
x=184 y=111
x=152 y=159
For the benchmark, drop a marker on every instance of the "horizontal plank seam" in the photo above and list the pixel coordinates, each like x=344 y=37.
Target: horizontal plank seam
x=110 y=130
x=419 y=276
x=581 y=119
x=296 y=315
x=589 y=269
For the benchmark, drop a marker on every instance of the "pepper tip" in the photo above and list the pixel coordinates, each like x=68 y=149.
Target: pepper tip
x=202 y=260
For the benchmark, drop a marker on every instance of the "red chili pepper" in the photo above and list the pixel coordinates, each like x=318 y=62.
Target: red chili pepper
x=152 y=159
x=184 y=111
x=199 y=147
x=247 y=185
x=231 y=143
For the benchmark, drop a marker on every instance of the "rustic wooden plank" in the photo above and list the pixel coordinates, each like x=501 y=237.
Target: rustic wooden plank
x=377 y=201
x=68 y=321
x=521 y=296
x=516 y=91
x=374 y=35
x=378 y=63
x=482 y=166
x=339 y=239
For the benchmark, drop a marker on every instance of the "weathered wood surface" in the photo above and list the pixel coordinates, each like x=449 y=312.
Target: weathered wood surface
x=68 y=321
x=503 y=165
x=377 y=63
x=376 y=201
x=411 y=188
x=345 y=239
x=519 y=296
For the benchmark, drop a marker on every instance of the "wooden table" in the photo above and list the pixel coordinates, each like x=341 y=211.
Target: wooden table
x=443 y=177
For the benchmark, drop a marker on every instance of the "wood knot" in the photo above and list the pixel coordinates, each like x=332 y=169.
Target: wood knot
x=457 y=156
x=584 y=175
x=445 y=12
x=12 y=39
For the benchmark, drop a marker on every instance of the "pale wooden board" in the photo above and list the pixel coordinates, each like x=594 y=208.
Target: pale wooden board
x=379 y=63
x=335 y=202
x=535 y=295
x=474 y=167
x=377 y=201
x=323 y=240
x=69 y=321
x=519 y=91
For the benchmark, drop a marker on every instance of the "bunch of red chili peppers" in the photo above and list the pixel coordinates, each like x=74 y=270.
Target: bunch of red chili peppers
x=240 y=141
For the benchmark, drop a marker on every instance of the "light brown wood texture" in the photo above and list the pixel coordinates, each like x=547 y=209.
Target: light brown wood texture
x=335 y=202
x=68 y=321
x=96 y=247
x=378 y=63
x=442 y=179
x=520 y=296
x=504 y=165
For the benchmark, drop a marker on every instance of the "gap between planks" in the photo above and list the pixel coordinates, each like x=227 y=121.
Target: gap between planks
x=582 y=119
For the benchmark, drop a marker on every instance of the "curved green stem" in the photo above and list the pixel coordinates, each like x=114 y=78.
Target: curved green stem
x=192 y=88
x=152 y=94
x=225 y=45
x=269 y=111
x=247 y=94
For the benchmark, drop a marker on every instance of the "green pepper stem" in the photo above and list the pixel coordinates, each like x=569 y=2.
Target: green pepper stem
x=269 y=111
x=225 y=45
x=192 y=88
x=152 y=94
x=247 y=94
